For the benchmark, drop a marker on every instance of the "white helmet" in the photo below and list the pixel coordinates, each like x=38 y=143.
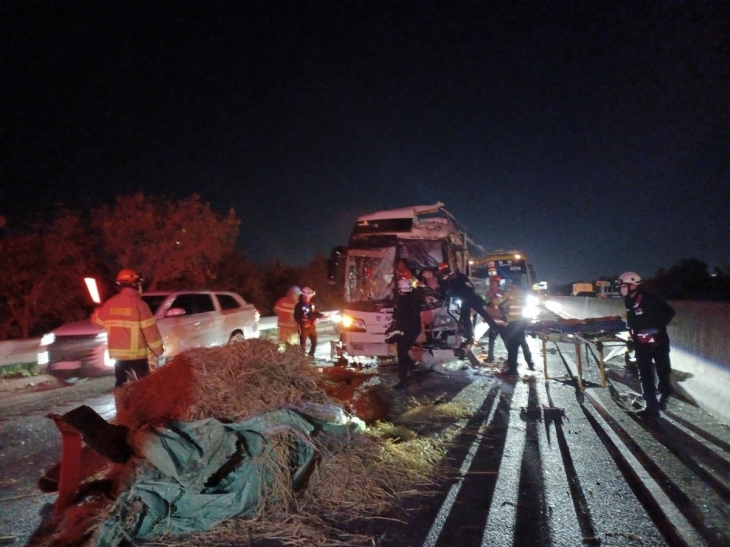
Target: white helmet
x=630 y=278
x=404 y=285
x=306 y=291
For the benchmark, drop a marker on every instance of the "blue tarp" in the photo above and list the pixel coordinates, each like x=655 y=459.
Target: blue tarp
x=186 y=485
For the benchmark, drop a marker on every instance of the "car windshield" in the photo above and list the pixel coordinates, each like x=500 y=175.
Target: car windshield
x=154 y=301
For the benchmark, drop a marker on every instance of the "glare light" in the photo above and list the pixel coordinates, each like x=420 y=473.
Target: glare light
x=529 y=311
x=93 y=289
x=101 y=337
x=335 y=317
x=532 y=300
x=353 y=324
x=48 y=339
x=518 y=257
x=108 y=361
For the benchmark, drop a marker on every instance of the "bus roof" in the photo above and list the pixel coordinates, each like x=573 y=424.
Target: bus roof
x=405 y=212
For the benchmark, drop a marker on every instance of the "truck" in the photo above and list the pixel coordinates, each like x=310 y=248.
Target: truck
x=583 y=289
x=424 y=236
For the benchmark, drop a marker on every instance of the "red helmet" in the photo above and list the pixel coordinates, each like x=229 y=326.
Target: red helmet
x=128 y=277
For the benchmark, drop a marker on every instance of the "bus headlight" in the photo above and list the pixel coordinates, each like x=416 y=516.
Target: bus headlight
x=353 y=324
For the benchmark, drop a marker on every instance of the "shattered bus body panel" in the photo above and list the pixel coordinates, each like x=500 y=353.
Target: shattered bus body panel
x=422 y=236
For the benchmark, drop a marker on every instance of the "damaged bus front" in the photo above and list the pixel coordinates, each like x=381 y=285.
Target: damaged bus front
x=421 y=236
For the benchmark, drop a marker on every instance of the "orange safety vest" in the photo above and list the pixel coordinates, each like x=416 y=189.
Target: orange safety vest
x=130 y=326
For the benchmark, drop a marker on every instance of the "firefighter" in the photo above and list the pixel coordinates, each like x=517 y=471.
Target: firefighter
x=306 y=316
x=284 y=310
x=494 y=299
x=513 y=303
x=132 y=332
x=647 y=316
x=406 y=327
x=456 y=284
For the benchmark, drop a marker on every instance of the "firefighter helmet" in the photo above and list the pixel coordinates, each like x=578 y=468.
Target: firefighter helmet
x=127 y=276
x=307 y=292
x=630 y=278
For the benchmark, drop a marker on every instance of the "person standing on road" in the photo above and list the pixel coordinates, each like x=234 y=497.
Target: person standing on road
x=284 y=310
x=647 y=316
x=306 y=316
x=132 y=332
x=406 y=327
x=458 y=285
x=494 y=299
x=514 y=302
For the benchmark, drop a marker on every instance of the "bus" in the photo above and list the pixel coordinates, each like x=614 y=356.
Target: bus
x=510 y=265
x=423 y=236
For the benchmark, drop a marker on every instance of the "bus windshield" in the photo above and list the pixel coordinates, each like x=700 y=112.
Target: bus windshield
x=369 y=275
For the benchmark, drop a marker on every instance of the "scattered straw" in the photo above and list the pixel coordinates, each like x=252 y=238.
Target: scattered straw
x=230 y=383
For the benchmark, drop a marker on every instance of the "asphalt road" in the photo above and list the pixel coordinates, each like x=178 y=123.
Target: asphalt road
x=531 y=465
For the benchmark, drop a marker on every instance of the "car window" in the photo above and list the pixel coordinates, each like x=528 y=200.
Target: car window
x=227 y=302
x=154 y=301
x=193 y=303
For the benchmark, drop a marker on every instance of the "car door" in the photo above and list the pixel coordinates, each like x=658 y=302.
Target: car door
x=235 y=316
x=188 y=323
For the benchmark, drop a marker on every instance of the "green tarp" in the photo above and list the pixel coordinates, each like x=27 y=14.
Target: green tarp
x=198 y=474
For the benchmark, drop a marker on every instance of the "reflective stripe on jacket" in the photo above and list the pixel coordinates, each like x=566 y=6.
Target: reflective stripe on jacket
x=514 y=301
x=284 y=310
x=130 y=326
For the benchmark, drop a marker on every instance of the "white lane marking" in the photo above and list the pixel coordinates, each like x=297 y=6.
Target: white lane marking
x=445 y=510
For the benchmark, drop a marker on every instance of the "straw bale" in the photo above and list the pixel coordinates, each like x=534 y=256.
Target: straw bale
x=230 y=383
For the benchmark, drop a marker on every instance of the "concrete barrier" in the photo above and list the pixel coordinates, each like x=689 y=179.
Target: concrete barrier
x=14 y=352
x=699 y=337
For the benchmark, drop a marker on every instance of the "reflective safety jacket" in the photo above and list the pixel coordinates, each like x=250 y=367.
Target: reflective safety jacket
x=130 y=326
x=284 y=310
x=513 y=302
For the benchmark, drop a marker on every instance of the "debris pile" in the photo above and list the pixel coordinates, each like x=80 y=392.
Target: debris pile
x=247 y=442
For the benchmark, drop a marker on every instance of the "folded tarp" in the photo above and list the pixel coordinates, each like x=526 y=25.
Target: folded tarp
x=198 y=474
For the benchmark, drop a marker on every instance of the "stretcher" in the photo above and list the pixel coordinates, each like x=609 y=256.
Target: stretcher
x=596 y=335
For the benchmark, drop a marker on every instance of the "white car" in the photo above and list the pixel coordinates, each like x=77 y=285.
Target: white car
x=186 y=319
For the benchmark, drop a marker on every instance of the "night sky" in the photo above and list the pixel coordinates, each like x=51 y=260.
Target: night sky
x=594 y=136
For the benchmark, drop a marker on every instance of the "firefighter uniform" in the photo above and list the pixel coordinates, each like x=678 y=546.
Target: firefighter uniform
x=284 y=310
x=306 y=316
x=647 y=316
x=132 y=333
x=513 y=305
